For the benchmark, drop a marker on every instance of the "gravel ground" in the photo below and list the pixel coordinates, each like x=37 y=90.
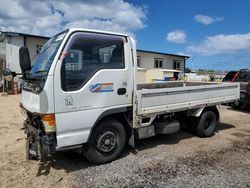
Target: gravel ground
x=178 y=160
x=172 y=161
x=229 y=167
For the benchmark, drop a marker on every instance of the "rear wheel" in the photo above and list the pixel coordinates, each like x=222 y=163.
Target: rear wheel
x=206 y=124
x=106 y=142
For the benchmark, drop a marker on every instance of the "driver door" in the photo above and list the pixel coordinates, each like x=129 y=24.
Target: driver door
x=93 y=77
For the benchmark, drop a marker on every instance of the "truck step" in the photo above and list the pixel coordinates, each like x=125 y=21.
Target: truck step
x=167 y=127
x=145 y=132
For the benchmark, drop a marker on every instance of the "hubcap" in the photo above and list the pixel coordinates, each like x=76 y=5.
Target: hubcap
x=207 y=123
x=106 y=142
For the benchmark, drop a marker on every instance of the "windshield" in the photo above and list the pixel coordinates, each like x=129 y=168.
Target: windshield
x=229 y=76
x=46 y=56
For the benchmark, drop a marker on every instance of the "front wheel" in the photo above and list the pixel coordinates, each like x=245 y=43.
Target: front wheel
x=106 y=142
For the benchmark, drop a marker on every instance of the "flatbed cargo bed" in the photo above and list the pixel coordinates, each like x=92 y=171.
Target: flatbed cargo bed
x=177 y=96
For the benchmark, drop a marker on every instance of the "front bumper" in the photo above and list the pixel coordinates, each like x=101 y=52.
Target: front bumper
x=39 y=144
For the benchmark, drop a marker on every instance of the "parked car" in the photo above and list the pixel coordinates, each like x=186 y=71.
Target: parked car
x=247 y=94
x=230 y=76
x=242 y=76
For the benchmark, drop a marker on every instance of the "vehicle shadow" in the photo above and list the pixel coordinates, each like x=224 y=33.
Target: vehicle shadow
x=172 y=138
x=224 y=126
x=162 y=140
x=244 y=109
x=72 y=161
x=69 y=161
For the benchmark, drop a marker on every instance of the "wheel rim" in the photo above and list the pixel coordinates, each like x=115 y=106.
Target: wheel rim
x=207 y=123
x=106 y=142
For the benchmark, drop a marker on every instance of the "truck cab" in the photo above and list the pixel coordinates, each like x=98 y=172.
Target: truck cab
x=78 y=77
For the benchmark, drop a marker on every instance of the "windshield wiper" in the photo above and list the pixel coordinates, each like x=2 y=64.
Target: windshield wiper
x=40 y=71
x=30 y=76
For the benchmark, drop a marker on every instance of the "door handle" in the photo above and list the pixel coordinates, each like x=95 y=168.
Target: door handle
x=121 y=91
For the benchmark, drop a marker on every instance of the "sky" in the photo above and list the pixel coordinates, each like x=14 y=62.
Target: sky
x=214 y=33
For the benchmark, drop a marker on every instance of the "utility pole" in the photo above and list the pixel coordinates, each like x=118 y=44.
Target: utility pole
x=3 y=60
x=3 y=80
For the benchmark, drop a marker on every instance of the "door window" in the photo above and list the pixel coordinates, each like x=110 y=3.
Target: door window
x=88 y=53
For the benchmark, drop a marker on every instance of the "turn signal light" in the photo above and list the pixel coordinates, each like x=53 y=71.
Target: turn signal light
x=49 y=122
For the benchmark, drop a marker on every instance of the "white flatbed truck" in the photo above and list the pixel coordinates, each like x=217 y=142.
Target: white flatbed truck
x=81 y=93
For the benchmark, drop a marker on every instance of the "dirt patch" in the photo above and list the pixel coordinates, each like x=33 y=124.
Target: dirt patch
x=15 y=171
x=240 y=135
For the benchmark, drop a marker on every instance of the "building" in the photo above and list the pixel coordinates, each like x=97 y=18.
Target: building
x=156 y=60
x=10 y=42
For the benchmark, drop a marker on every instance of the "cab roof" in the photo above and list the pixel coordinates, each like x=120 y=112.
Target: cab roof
x=96 y=31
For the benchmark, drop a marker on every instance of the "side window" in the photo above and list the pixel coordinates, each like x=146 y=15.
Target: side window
x=73 y=62
x=244 y=76
x=138 y=61
x=158 y=62
x=176 y=64
x=88 y=53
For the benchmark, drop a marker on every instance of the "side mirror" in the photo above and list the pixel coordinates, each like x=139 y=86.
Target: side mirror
x=8 y=74
x=24 y=59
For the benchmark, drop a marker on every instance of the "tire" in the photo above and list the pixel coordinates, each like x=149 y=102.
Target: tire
x=206 y=124
x=106 y=142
